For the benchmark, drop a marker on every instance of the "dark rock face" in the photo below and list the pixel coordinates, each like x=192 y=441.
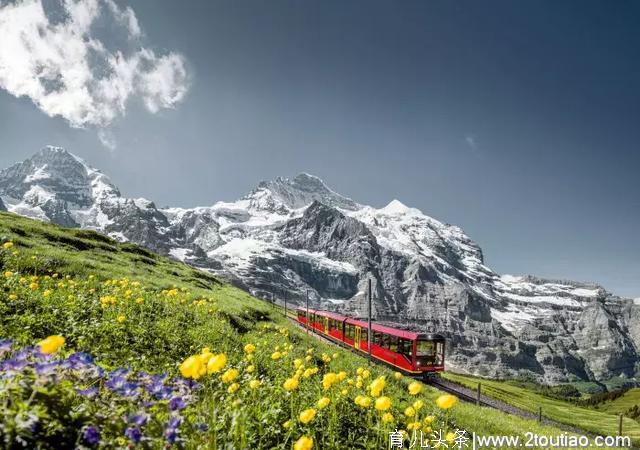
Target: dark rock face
x=2 y=207
x=288 y=237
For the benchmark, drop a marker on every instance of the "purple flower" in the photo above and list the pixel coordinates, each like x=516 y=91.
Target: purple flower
x=13 y=365
x=120 y=373
x=115 y=383
x=162 y=392
x=138 y=419
x=202 y=427
x=23 y=354
x=134 y=434
x=130 y=390
x=171 y=434
x=174 y=422
x=91 y=435
x=89 y=392
x=5 y=346
x=177 y=404
x=80 y=359
x=46 y=368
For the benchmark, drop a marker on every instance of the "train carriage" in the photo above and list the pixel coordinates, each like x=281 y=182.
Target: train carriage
x=410 y=352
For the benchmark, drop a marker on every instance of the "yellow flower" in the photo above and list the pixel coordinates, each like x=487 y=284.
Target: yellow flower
x=286 y=425
x=254 y=384
x=359 y=370
x=334 y=356
x=250 y=369
x=191 y=367
x=34 y=286
x=414 y=426
x=450 y=437
x=47 y=293
x=276 y=355
x=415 y=388
x=362 y=401
x=229 y=375
x=383 y=403
x=429 y=419
x=387 y=418
x=377 y=386
x=7 y=245
x=365 y=374
x=291 y=384
x=297 y=363
x=397 y=375
x=249 y=348
x=13 y=297
x=418 y=404
x=446 y=401
x=233 y=387
x=410 y=411
x=139 y=300
x=304 y=443
x=329 y=380
x=121 y=318
x=216 y=363
x=307 y=415
x=8 y=274
x=323 y=402
x=51 y=344
x=307 y=358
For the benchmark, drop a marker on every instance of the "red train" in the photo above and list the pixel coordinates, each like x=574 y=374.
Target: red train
x=410 y=352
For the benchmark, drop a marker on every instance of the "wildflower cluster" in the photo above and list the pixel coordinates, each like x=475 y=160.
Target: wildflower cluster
x=61 y=401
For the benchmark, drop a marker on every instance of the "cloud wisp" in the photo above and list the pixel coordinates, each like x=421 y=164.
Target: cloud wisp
x=58 y=59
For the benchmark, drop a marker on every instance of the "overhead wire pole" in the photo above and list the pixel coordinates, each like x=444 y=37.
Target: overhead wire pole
x=307 y=311
x=369 y=324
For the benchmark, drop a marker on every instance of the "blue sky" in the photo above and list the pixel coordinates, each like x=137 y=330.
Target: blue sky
x=517 y=121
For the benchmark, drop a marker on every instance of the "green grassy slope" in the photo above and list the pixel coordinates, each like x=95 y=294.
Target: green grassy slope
x=598 y=422
x=622 y=404
x=131 y=308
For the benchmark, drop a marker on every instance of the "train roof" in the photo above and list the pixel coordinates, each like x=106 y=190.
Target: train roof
x=405 y=334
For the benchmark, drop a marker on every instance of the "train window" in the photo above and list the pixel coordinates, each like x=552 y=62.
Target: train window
x=377 y=338
x=426 y=353
x=348 y=332
x=439 y=354
x=385 y=341
x=405 y=347
x=393 y=343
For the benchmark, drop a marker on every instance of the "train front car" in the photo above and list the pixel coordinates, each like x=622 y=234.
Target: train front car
x=429 y=354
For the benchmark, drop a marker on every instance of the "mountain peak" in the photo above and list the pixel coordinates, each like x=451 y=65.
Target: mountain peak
x=396 y=207
x=53 y=173
x=301 y=191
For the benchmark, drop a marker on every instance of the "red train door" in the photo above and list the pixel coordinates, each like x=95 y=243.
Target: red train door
x=356 y=340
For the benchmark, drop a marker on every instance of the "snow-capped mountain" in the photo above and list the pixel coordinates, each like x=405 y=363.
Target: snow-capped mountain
x=290 y=236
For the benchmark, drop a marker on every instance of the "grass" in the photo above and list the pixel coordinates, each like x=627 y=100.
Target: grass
x=130 y=308
x=594 y=421
x=622 y=404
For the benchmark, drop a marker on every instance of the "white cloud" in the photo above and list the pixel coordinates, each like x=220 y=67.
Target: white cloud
x=67 y=71
x=471 y=142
